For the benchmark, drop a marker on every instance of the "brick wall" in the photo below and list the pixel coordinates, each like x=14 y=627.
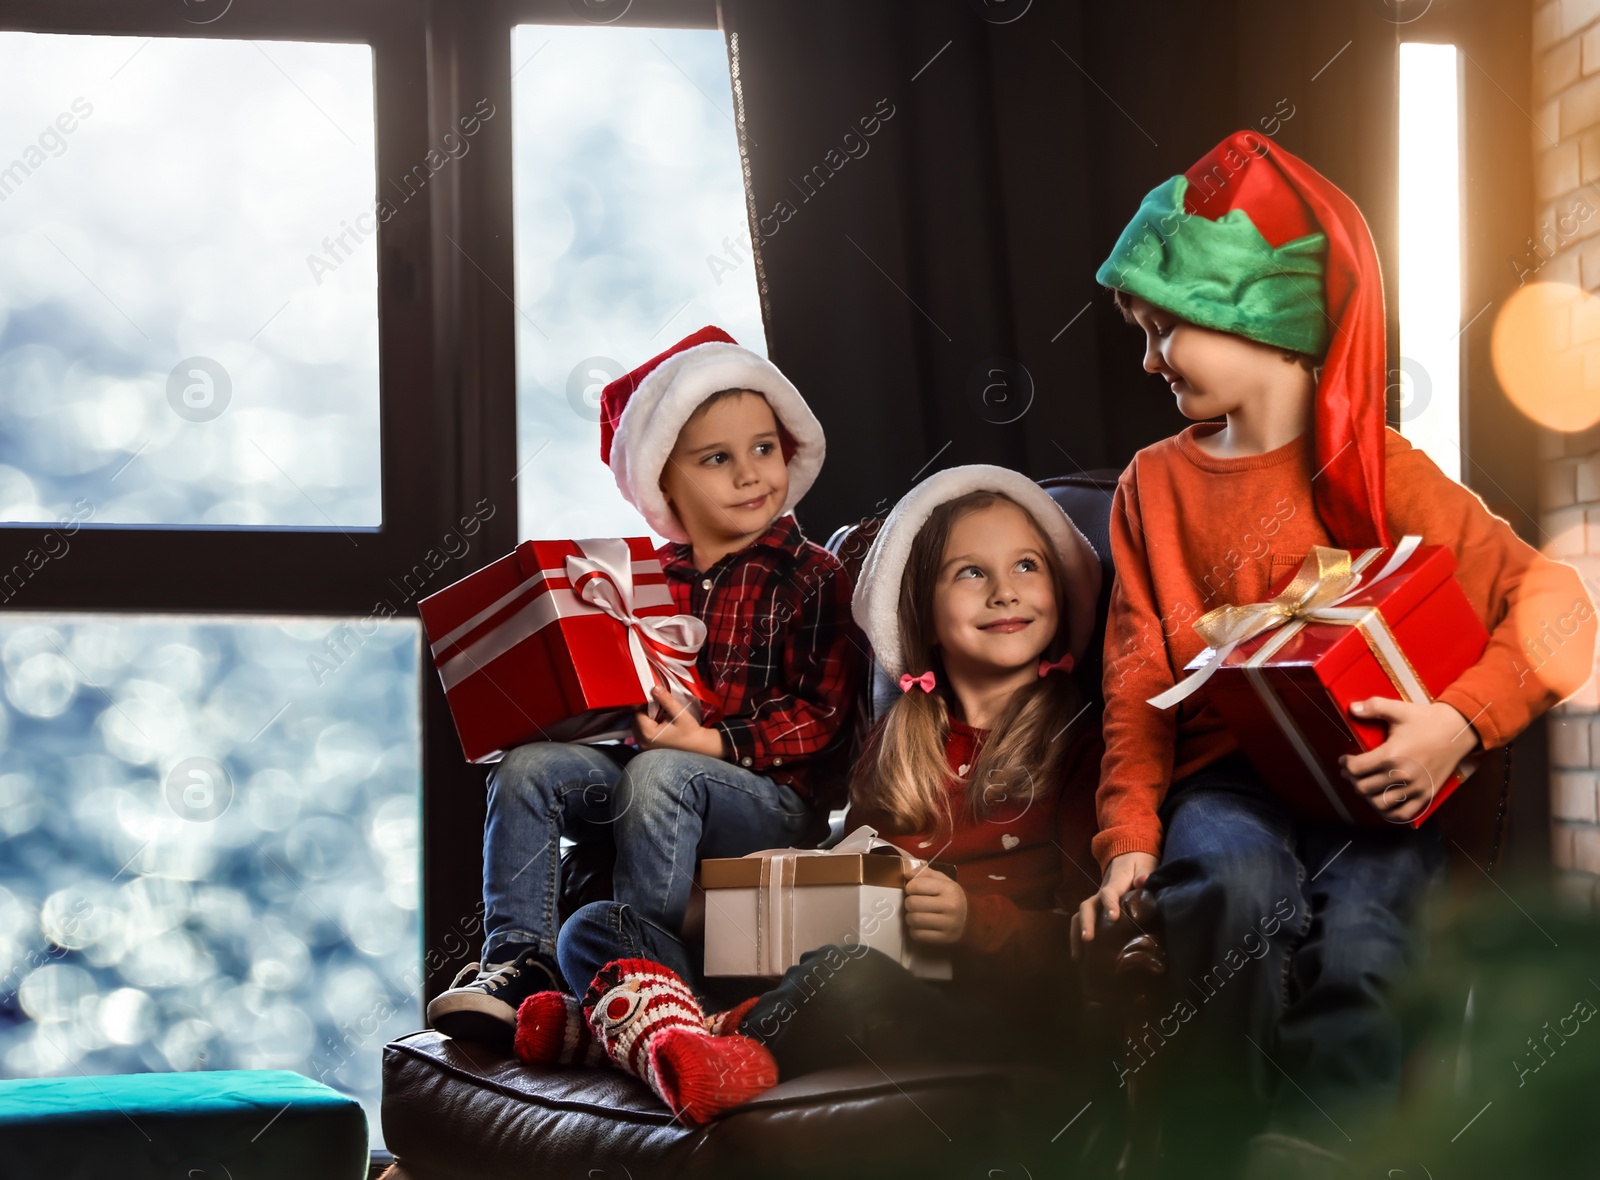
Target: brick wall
x=1566 y=79
x=1570 y=503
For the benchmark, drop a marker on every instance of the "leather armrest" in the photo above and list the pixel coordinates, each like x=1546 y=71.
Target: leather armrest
x=1124 y=962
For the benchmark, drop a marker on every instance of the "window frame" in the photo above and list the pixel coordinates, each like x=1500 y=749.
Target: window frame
x=447 y=380
x=264 y=570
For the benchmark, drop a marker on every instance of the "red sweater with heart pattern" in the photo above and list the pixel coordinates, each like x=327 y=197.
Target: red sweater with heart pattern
x=1024 y=869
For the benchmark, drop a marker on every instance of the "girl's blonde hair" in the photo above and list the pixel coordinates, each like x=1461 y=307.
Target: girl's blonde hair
x=902 y=771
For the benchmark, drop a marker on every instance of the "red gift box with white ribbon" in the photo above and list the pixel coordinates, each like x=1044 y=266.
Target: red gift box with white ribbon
x=1283 y=673
x=560 y=641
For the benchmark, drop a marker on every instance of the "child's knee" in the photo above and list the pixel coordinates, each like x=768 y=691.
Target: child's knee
x=849 y=977
x=538 y=769
x=586 y=942
x=1255 y=889
x=662 y=780
x=1360 y=944
x=586 y=923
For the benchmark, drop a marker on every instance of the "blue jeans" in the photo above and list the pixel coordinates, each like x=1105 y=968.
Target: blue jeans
x=1286 y=940
x=605 y=930
x=663 y=809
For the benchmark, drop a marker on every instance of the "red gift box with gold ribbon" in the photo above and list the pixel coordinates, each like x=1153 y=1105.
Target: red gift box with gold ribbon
x=559 y=641
x=1283 y=673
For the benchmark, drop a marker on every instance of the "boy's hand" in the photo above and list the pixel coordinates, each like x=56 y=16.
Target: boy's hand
x=1125 y=872
x=680 y=731
x=936 y=908
x=1424 y=746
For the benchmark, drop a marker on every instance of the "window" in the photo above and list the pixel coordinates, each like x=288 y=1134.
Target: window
x=631 y=232
x=189 y=318
x=274 y=509
x=1430 y=252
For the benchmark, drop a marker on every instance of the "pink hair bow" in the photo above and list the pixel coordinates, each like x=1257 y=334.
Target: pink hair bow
x=1064 y=664
x=926 y=680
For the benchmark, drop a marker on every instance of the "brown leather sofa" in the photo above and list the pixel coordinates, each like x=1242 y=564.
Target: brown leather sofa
x=453 y=1111
x=456 y=1110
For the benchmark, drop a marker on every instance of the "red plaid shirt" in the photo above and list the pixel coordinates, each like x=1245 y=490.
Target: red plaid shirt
x=782 y=655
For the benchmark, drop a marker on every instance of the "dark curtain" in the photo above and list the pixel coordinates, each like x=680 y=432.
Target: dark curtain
x=919 y=280
x=962 y=237
x=913 y=295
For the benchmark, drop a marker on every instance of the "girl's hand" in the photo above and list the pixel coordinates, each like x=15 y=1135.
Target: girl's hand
x=936 y=908
x=680 y=731
x=1424 y=747
x=1125 y=872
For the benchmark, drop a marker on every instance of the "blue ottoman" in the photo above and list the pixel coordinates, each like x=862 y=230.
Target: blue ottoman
x=222 y=1125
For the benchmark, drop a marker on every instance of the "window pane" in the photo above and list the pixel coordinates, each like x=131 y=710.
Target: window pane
x=188 y=317
x=208 y=845
x=1430 y=252
x=631 y=232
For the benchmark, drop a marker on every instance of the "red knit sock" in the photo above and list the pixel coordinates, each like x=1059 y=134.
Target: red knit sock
x=722 y=1024
x=651 y=1025
x=551 y=1030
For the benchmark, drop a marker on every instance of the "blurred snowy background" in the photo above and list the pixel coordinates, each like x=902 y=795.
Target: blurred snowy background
x=174 y=221
x=631 y=233
x=208 y=846
x=208 y=840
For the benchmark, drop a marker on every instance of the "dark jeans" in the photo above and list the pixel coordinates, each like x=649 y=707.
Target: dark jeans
x=1285 y=942
x=605 y=930
x=853 y=1005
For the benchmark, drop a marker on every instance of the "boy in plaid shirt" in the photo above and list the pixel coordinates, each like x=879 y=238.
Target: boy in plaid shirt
x=714 y=446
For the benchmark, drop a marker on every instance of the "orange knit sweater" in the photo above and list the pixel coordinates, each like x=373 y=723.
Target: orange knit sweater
x=1190 y=532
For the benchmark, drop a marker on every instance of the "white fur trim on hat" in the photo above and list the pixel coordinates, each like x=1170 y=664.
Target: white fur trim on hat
x=648 y=429
x=876 y=603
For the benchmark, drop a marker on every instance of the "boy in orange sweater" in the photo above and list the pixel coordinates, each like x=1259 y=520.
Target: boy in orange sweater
x=1256 y=284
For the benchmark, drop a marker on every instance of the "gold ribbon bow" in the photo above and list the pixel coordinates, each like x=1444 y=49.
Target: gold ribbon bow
x=1322 y=579
x=1325 y=579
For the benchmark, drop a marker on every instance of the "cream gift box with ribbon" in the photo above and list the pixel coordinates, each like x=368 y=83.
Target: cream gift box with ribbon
x=763 y=911
x=560 y=641
x=1284 y=673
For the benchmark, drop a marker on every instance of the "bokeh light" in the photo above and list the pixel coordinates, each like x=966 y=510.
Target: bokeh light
x=1546 y=350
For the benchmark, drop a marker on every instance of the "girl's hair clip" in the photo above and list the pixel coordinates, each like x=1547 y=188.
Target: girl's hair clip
x=1064 y=664
x=926 y=680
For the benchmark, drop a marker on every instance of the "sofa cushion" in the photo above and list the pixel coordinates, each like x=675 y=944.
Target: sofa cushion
x=457 y=1110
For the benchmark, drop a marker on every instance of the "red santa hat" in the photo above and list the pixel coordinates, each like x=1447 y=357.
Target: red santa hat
x=642 y=413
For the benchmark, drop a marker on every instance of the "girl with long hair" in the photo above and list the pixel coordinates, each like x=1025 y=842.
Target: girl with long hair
x=978 y=595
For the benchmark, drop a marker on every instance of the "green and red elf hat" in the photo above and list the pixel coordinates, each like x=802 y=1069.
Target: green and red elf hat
x=1254 y=241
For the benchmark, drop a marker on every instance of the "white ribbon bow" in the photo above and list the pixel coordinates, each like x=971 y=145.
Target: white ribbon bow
x=663 y=646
